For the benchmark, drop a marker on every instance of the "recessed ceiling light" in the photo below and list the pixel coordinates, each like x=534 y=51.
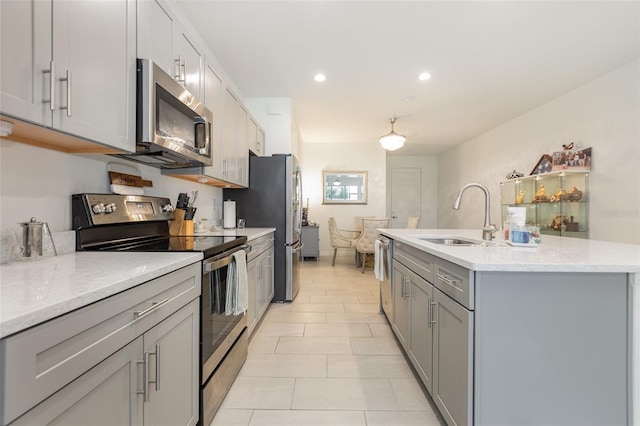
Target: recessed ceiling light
x=424 y=76
x=320 y=77
x=410 y=98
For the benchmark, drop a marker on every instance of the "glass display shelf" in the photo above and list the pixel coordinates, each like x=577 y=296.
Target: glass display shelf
x=556 y=202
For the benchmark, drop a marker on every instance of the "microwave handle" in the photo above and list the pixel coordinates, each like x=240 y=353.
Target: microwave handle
x=200 y=129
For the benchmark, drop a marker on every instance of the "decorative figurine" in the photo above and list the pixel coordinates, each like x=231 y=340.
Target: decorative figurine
x=567 y=147
x=514 y=175
x=574 y=194
x=561 y=195
x=540 y=197
x=559 y=222
x=520 y=197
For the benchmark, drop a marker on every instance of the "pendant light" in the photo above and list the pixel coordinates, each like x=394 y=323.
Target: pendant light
x=392 y=140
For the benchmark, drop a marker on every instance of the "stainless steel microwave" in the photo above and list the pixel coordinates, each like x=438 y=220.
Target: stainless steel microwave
x=173 y=128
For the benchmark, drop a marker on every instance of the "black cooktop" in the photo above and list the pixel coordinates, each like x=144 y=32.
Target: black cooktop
x=209 y=246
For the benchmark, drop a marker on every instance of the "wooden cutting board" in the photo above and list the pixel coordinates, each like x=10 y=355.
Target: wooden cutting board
x=126 y=179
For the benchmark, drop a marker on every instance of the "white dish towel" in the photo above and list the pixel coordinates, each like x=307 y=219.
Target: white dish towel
x=378 y=265
x=237 y=285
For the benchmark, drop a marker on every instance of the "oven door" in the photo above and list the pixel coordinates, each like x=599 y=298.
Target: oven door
x=219 y=331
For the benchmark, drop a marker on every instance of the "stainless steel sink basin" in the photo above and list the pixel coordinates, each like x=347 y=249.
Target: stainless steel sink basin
x=450 y=241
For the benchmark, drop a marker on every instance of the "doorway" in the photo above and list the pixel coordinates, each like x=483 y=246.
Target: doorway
x=406 y=195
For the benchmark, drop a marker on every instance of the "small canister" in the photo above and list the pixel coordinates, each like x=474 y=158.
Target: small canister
x=32 y=234
x=32 y=238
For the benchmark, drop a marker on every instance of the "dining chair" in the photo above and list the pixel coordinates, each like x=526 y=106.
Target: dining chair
x=357 y=222
x=412 y=223
x=337 y=239
x=365 y=244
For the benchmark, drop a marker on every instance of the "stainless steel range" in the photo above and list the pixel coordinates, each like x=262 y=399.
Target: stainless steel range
x=108 y=222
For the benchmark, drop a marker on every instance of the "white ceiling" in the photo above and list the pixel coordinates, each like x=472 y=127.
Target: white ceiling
x=490 y=61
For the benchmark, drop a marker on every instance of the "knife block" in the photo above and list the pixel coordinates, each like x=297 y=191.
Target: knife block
x=179 y=225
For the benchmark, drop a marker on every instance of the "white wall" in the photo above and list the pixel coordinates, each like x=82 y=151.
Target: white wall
x=37 y=182
x=316 y=157
x=429 y=167
x=603 y=114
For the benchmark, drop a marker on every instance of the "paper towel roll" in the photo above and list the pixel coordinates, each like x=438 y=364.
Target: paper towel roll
x=229 y=214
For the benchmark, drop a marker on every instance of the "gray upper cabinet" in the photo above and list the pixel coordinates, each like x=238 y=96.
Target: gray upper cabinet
x=229 y=136
x=255 y=136
x=165 y=41
x=213 y=97
x=242 y=171
x=54 y=74
x=260 y=143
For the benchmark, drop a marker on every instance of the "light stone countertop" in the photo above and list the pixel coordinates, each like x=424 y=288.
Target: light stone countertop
x=32 y=292
x=554 y=254
x=250 y=233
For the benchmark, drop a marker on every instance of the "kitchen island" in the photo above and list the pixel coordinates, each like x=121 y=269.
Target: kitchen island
x=515 y=335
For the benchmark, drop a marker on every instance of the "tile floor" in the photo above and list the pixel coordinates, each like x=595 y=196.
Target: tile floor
x=327 y=358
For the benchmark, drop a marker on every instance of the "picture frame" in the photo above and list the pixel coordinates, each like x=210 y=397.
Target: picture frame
x=544 y=165
x=575 y=159
x=344 y=187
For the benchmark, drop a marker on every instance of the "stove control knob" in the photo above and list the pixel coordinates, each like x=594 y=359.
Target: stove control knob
x=98 y=208
x=167 y=208
x=110 y=208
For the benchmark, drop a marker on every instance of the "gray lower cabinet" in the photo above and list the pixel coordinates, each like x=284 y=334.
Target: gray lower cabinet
x=260 y=275
x=132 y=358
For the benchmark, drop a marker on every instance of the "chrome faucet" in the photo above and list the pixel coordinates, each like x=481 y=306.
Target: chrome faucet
x=488 y=229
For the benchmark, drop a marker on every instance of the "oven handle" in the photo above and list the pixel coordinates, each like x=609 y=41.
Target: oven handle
x=209 y=266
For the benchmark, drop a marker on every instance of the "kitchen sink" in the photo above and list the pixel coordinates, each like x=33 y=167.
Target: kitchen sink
x=451 y=241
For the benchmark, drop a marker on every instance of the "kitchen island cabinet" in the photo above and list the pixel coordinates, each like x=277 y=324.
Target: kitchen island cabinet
x=53 y=74
x=517 y=329
x=130 y=358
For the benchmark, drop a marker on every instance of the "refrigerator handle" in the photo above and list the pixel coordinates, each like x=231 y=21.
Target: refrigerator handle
x=299 y=200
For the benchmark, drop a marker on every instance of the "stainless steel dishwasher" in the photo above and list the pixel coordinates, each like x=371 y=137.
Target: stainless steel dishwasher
x=386 y=293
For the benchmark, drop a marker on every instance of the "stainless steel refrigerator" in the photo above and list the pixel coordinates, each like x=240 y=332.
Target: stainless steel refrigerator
x=273 y=199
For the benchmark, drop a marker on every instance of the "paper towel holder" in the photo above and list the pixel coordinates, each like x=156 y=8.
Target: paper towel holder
x=229 y=214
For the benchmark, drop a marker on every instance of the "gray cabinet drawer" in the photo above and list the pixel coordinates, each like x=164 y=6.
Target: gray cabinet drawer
x=454 y=281
x=41 y=360
x=415 y=259
x=259 y=245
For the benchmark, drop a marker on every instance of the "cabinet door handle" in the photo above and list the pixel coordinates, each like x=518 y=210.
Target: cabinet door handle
x=177 y=62
x=154 y=306
x=184 y=72
x=52 y=82
x=145 y=389
x=68 y=80
x=452 y=283
x=157 y=355
x=432 y=305
x=145 y=377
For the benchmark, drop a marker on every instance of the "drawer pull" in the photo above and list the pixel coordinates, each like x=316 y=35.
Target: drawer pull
x=452 y=283
x=154 y=306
